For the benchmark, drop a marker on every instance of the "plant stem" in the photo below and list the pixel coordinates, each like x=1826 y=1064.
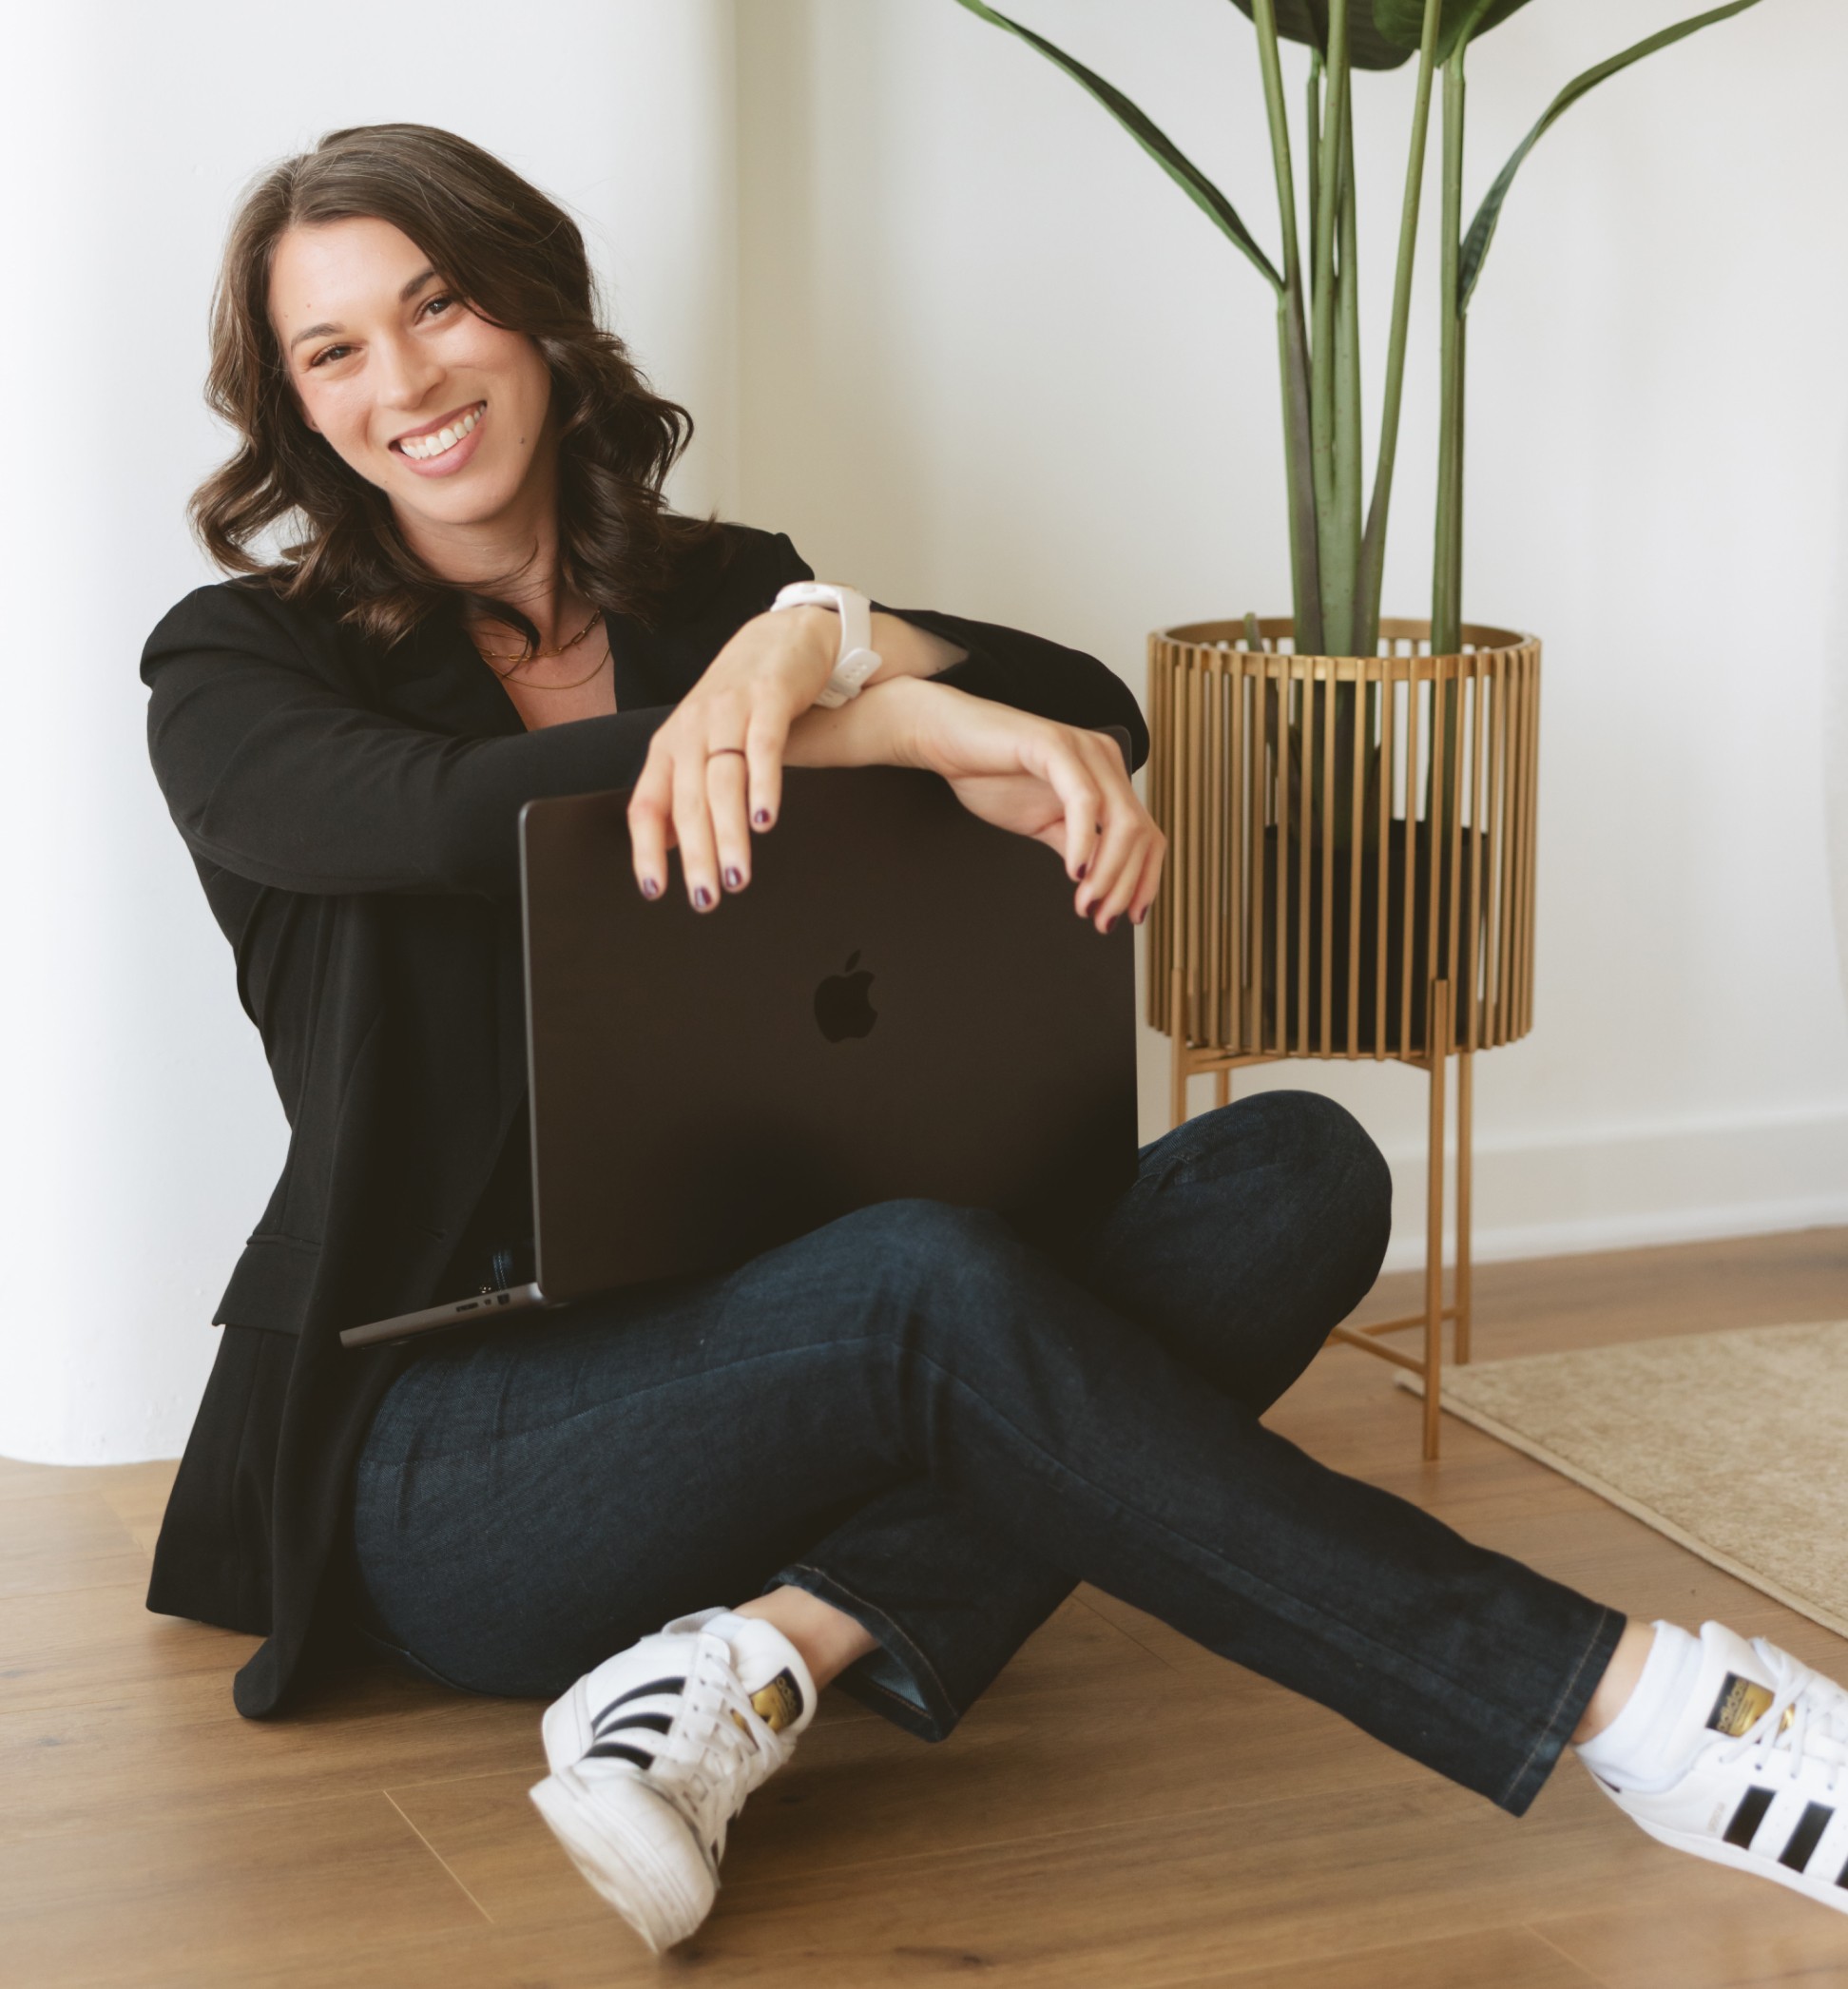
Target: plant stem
x=1447 y=574
x=1341 y=561
x=1321 y=347
x=1291 y=355
x=1373 y=546
x=1313 y=134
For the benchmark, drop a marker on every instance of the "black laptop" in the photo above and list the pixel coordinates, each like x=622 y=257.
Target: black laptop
x=902 y=1002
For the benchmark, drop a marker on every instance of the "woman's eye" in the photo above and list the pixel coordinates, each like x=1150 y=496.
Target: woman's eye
x=436 y=303
x=332 y=352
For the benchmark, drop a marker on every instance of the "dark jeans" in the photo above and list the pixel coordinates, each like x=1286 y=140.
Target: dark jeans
x=923 y=1419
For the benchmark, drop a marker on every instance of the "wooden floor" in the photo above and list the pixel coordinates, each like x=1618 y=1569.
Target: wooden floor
x=1122 y=1810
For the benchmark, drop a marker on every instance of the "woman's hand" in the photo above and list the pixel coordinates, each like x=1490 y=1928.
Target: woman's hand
x=715 y=767
x=1062 y=785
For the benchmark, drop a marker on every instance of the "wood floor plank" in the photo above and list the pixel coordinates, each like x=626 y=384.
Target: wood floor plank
x=157 y=1900
x=1501 y=1957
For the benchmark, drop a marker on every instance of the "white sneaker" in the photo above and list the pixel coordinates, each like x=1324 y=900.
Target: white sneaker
x=654 y=1752
x=1762 y=1784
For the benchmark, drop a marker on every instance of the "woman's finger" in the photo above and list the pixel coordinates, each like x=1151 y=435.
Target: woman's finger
x=725 y=778
x=765 y=742
x=1065 y=771
x=649 y=824
x=693 y=829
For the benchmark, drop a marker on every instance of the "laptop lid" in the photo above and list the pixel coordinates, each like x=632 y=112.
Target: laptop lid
x=902 y=1002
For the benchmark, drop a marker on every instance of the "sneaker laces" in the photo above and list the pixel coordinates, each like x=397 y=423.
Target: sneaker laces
x=1806 y=1719
x=717 y=1750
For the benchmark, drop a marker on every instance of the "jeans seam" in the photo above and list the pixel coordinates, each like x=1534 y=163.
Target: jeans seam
x=1554 y=1721
x=911 y=1651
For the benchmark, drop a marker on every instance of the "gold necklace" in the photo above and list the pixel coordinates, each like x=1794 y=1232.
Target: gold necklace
x=527 y=682
x=493 y=656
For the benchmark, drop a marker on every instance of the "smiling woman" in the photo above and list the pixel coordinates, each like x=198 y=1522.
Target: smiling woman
x=344 y=253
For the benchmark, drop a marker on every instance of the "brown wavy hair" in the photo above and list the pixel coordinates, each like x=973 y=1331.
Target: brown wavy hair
x=518 y=259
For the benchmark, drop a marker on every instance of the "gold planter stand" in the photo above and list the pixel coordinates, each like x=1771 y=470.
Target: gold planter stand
x=1350 y=874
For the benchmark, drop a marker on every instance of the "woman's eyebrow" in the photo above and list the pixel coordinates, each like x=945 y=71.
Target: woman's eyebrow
x=323 y=331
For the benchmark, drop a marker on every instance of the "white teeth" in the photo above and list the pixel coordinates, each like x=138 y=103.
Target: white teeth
x=422 y=447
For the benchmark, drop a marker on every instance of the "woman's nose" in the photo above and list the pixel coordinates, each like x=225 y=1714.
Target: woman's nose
x=406 y=374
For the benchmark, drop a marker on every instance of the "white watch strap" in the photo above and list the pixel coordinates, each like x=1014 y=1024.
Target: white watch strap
x=858 y=659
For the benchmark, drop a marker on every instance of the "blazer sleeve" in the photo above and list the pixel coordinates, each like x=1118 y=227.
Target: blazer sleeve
x=273 y=772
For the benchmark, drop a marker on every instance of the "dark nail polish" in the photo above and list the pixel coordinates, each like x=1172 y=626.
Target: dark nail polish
x=1138 y=918
x=650 y=887
x=701 y=898
x=1110 y=923
x=761 y=817
x=734 y=877
x=1084 y=871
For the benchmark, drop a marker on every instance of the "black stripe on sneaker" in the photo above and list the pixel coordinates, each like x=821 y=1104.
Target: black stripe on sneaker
x=643 y=1691
x=614 y=1750
x=659 y=1721
x=1807 y=1835
x=1750 y=1815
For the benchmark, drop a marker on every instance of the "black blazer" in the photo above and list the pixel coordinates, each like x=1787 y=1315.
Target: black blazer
x=351 y=815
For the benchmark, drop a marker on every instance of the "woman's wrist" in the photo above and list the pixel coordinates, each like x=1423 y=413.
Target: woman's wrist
x=886 y=726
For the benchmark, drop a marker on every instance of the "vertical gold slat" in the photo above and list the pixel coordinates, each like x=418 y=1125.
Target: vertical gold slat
x=1283 y=930
x=1210 y=850
x=1196 y=894
x=1236 y=781
x=1216 y=895
x=1452 y=787
x=1433 y=837
x=1388 y=760
x=1305 y=684
x=1327 y=1018
x=1532 y=832
x=1263 y=753
x=1160 y=806
x=1498 y=849
x=1364 y=673
x=1413 y=709
x=1437 y=1027
x=1521 y=787
x=1478 y=924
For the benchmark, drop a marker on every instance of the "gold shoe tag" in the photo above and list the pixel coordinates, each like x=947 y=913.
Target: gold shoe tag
x=779 y=1703
x=1741 y=1704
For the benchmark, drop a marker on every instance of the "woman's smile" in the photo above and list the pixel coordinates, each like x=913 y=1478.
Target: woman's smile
x=441 y=447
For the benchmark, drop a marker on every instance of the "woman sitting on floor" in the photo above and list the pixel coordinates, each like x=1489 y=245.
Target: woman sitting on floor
x=892 y=1445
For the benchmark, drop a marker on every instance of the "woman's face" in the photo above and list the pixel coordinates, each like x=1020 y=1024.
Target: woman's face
x=444 y=412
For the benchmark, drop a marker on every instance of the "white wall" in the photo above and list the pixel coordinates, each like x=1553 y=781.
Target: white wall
x=993 y=357
x=141 y=1132
x=948 y=327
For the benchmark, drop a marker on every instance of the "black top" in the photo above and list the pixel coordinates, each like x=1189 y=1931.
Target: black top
x=353 y=817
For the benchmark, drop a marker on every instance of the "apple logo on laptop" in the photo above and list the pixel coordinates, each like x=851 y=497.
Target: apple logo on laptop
x=841 y=1007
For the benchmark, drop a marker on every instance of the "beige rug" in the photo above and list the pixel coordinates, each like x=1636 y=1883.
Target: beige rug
x=1734 y=1444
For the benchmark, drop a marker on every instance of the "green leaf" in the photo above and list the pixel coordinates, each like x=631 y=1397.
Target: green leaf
x=1482 y=230
x=1306 y=20
x=1401 y=21
x=1155 y=142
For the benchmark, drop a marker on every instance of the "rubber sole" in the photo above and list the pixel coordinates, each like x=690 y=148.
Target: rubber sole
x=635 y=1849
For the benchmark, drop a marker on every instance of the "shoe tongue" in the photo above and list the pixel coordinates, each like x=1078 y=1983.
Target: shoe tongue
x=770 y=1669
x=1733 y=1691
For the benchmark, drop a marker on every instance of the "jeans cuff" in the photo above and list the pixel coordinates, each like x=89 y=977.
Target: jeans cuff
x=1568 y=1709
x=897 y=1680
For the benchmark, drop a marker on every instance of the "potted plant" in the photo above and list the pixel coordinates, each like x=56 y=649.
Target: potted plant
x=1350 y=800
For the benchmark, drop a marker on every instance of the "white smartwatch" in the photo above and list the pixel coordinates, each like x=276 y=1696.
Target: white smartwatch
x=858 y=659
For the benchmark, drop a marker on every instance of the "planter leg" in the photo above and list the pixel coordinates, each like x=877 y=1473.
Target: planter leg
x=1222 y=1087
x=1438 y=1013
x=1465 y=1213
x=1177 y=1051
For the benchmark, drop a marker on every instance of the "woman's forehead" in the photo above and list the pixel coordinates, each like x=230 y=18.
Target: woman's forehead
x=323 y=270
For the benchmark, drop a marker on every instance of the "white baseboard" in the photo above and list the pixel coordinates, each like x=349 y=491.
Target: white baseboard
x=1626 y=1188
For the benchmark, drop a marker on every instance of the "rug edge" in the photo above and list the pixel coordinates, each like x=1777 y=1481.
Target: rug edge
x=1648 y=1516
